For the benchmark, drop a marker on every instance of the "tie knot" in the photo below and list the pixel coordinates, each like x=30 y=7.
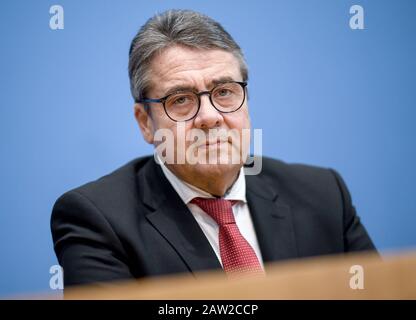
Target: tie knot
x=219 y=209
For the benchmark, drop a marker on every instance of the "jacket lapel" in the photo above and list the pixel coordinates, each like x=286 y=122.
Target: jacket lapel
x=272 y=221
x=174 y=221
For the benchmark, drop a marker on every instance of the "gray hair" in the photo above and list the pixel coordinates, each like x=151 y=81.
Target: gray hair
x=176 y=27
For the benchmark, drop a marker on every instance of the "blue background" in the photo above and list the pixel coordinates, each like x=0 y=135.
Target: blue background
x=322 y=93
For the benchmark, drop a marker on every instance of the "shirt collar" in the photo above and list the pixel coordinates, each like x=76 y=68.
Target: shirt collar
x=187 y=191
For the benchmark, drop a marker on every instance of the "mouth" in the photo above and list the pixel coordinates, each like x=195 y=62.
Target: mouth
x=212 y=143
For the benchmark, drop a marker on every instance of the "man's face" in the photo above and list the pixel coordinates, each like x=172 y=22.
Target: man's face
x=198 y=70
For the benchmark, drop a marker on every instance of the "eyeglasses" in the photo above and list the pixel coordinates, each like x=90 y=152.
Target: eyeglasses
x=180 y=106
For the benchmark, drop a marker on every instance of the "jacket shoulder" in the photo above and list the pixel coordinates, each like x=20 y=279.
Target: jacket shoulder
x=121 y=179
x=117 y=186
x=296 y=172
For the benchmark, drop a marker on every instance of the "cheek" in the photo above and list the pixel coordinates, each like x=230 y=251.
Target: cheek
x=238 y=120
x=161 y=120
x=179 y=130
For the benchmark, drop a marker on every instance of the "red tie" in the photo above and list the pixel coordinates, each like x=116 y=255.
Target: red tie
x=236 y=253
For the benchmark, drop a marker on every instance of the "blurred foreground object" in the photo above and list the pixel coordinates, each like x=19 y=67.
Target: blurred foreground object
x=390 y=277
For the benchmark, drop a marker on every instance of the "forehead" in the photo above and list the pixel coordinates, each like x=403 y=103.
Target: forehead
x=192 y=67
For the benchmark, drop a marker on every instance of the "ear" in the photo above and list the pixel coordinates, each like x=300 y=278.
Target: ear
x=145 y=122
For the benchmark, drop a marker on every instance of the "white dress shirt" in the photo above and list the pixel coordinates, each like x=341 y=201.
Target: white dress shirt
x=208 y=225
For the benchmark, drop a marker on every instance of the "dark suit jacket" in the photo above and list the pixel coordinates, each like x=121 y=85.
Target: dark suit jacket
x=132 y=223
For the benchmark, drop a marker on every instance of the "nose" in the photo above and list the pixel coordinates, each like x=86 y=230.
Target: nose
x=207 y=117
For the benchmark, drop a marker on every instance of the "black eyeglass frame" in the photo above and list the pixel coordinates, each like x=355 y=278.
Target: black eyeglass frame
x=243 y=85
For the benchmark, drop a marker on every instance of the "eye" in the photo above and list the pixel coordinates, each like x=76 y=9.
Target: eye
x=223 y=92
x=180 y=100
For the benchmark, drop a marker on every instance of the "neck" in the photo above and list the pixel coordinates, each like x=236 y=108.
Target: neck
x=215 y=182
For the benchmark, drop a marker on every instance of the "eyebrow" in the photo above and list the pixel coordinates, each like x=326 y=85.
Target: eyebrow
x=181 y=88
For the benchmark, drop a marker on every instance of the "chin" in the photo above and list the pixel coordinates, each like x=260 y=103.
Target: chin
x=215 y=170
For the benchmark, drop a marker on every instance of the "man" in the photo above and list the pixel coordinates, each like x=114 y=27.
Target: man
x=191 y=207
